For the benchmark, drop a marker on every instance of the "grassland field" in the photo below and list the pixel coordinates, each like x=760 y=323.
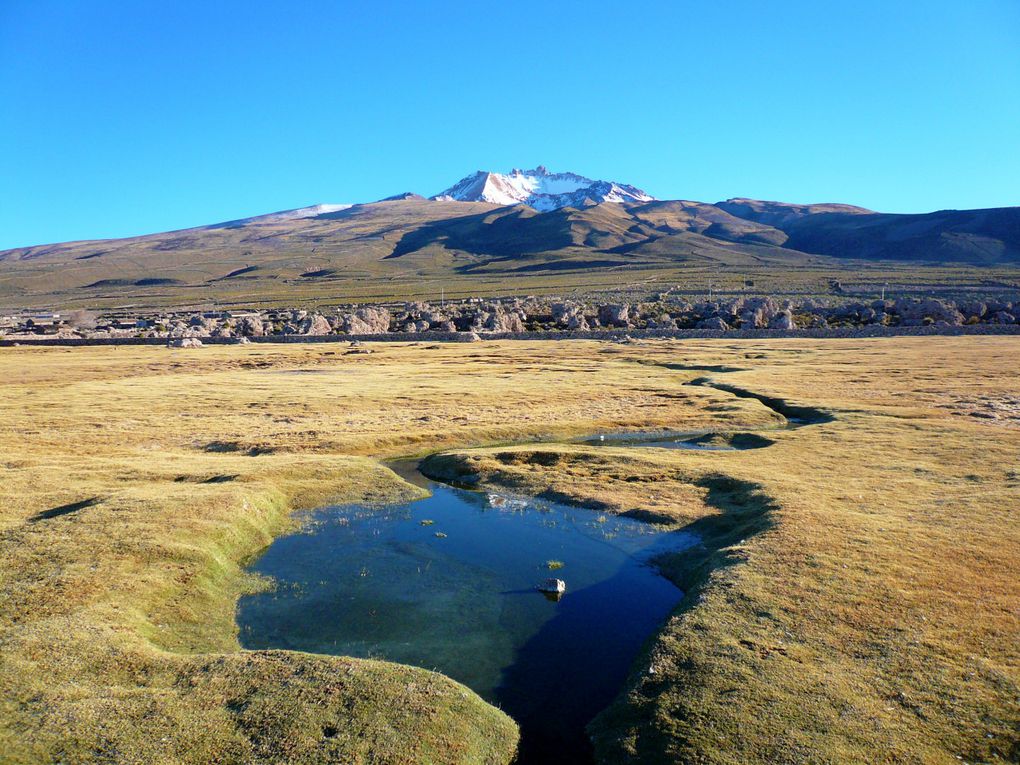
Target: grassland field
x=854 y=599
x=635 y=283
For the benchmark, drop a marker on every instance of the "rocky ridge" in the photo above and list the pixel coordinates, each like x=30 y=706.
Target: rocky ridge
x=517 y=316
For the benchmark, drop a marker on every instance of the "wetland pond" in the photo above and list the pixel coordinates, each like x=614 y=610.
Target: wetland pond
x=450 y=583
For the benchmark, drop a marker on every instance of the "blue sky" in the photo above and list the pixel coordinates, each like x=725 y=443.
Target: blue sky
x=121 y=118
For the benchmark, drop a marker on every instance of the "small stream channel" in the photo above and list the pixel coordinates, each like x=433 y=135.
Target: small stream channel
x=449 y=583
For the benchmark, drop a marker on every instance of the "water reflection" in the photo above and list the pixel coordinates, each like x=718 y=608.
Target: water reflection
x=450 y=583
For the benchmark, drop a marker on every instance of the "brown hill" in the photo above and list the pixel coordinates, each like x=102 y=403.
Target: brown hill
x=394 y=247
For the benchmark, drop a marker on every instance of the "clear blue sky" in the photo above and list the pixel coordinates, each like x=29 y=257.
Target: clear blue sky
x=120 y=118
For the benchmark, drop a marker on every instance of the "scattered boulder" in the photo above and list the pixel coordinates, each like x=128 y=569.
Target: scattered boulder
x=662 y=321
x=783 y=321
x=416 y=326
x=315 y=325
x=669 y=312
x=367 y=321
x=917 y=313
x=499 y=319
x=875 y=317
x=578 y=322
x=755 y=313
x=251 y=326
x=184 y=342
x=974 y=308
x=432 y=315
x=712 y=323
x=569 y=315
x=614 y=315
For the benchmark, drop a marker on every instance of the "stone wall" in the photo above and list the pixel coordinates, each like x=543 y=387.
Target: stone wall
x=603 y=334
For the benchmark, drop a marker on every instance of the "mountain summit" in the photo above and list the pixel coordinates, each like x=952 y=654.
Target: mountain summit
x=539 y=189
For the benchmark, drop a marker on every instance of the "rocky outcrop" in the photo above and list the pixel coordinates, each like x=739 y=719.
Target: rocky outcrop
x=662 y=321
x=315 y=324
x=917 y=313
x=713 y=322
x=568 y=315
x=783 y=320
x=366 y=321
x=251 y=326
x=184 y=342
x=755 y=313
x=669 y=312
x=614 y=315
x=496 y=318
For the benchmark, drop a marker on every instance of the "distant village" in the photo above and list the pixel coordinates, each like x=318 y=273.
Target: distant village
x=509 y=317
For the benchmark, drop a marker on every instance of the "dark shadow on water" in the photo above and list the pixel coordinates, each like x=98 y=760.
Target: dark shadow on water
x=565 y=658
x=746 y=511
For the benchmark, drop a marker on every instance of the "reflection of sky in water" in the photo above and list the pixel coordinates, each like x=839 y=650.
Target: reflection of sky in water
x=457 y=594
x=666 y=440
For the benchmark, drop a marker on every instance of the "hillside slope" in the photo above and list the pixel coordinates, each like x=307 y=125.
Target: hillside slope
x=983 y=237
x=407 y=245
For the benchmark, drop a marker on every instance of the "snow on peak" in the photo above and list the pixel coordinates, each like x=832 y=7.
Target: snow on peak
x=285 y=215
x=312 y=211
x=539 y=189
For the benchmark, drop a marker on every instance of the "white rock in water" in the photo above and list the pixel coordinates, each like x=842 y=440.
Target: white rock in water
x=557 y=586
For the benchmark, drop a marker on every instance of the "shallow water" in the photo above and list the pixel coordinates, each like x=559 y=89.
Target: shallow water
x=700 y=440
x=449 y=583
x=664 y=440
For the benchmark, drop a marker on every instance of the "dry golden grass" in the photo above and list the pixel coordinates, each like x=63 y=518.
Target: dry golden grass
x=855 y=598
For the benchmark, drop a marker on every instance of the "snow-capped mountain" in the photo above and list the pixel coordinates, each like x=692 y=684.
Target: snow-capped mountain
x=540 y=189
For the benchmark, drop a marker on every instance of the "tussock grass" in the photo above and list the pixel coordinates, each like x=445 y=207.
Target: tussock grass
x=854 y=597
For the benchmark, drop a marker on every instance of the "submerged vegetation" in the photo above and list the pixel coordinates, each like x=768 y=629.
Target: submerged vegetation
x=854 y=591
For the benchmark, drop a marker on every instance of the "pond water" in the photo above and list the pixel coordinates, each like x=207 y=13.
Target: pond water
x=663 y=440
x=701 y=440
x=450 y=583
